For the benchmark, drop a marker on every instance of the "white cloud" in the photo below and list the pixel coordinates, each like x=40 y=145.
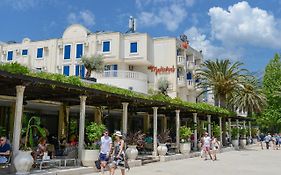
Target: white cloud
x=242 y=24
x=85 y=17
x=199 y=41
x=171 y=17
x=21 y=4
x=170 y=13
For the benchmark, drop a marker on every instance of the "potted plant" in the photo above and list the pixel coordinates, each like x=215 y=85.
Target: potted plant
x=134 y=140
x=23 y=160
x=243 y=139
x=163 y=138
x=90 y=154
x=185 y=134
x=234 y=137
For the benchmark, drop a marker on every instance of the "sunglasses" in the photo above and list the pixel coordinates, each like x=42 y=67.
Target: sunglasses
x=106 y=133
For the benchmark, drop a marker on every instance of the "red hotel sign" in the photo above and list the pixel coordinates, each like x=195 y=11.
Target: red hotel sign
x=160 y=70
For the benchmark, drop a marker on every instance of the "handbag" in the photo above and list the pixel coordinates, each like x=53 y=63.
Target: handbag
x=97 y=163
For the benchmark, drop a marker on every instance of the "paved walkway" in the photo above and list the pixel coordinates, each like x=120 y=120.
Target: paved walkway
x=248 y=162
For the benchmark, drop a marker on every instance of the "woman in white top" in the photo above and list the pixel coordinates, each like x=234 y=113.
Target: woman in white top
x=215 y=147
x=207 y=145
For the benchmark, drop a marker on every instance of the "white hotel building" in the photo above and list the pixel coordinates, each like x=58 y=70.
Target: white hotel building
x=133 y=61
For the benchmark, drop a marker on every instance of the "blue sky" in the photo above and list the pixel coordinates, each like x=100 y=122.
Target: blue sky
x=248 y=31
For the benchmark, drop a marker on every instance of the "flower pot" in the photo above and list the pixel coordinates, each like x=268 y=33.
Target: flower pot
x=89 y=157
x=185 y=148
x=243 y=143
x=23 y=162
x=162 y=149
x=235 y=143
x=132 y=152
x=255 y=141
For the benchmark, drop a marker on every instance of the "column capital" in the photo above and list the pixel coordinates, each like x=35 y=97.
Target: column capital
x=178 y=111
x=20 y=88
x=209 y=115
x=83 y=97
x=125 y=104
x=154 y=108
x=194 y=114
x=229 y=119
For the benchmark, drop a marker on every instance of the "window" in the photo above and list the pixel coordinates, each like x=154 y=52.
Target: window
x=67 y=49
x=79 y=50
x=10 y=55
x=66 y=70
x=40 y=53
x=24 y=52
x=134 y=47
x=189 y=76
x=80 y=71
x=106 y=46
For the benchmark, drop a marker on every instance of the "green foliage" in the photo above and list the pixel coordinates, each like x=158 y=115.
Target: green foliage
x=94 y=132
x=270 y=120
x=185 y=133
x=93 y=63
x=14 y=68
x=216 y=131
x=163 y=85
x=234 y=133
x=33 y=126
x=2 y=131
x=254 y=132
x=243 y=131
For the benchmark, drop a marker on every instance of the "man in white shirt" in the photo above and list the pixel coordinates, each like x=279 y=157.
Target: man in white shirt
x=267 y=139
x=207 y=145
x=105 y=149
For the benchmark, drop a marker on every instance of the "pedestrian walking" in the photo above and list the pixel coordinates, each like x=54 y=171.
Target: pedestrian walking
x=118 y=155
x=267 y=140
x=215 y=147
x=207 y=145
x=105 y=150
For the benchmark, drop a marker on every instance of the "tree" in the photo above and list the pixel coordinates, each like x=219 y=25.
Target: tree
x=163 y=85
x=221 y=77
x=93 y=63
x=248 y=97
x=270 y=120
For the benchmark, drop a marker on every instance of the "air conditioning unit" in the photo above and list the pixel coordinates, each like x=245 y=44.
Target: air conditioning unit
x=86 y=44
x=17 y=51
x=59 y=67
x=60 y=46
x=99 y=42
x=4 y=52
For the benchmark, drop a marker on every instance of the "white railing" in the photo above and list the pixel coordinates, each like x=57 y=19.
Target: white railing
x=190 y=65
x=180 y=59
x=181 y=80
x=123 y=74
x=190 y=82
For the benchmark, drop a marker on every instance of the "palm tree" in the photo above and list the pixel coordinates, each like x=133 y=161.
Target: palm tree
x=93 y=63
x=248 y=97
x=221 y=77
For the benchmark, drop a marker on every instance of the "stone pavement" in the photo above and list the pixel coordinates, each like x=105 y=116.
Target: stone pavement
x=252 y=161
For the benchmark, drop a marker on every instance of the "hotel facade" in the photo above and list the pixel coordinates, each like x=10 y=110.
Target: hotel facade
x=134 y=61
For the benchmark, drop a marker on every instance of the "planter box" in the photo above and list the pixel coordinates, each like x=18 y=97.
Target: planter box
x=185 y=148
x=243 y=143
x=132 y=152
x=235 y=144
x=89 y=157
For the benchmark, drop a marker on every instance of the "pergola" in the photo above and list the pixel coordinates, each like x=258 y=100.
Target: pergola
x=26 y=88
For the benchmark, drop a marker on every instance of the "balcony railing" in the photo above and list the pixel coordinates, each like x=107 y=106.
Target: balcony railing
x=181 y=80
x=123 y=74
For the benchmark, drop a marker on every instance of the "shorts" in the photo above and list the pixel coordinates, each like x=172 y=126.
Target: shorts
x=3 y=159
x=206 y=148
x=103 y=157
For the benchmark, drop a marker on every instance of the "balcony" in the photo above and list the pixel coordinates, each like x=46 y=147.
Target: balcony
x=136 y=81
x=181 y=81
x=190 y=84
x=181 y=60
x=190 y=65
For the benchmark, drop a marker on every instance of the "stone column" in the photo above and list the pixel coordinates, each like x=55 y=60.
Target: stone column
x=244 y=127
x=195 y=131
x=146 y=123
x=61 y=125
x=125 y=118
x=81 y=126
x=98 y=115
x=229 y=128
x=164 y=123
x=209 y=125
x=178 y=130
x=154 y=131
x=17 y=119
x=220 y=121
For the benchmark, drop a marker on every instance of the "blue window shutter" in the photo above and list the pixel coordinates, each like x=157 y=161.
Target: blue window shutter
x=10 y=55
x=66 y=70
x=77 y=70
x=82 y=73
x=106 y=46
x=40 y=53
x=79 y=50
x=24 y=52
x=189 y=76
x=134 y=47
x=67 y=50
x=115 y=67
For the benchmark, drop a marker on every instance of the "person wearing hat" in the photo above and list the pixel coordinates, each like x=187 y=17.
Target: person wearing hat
x=118 y=154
